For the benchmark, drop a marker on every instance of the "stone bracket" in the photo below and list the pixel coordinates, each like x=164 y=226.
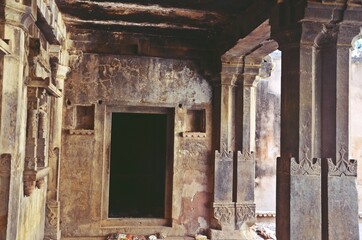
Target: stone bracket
x=34 y=178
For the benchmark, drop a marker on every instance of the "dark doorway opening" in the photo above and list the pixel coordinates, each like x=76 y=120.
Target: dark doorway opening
x=138 y=165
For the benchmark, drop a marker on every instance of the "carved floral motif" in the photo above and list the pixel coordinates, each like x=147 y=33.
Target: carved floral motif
x=224 y=213
x=245 y=212
x=51 y=213
x=224 y=155
x=343 y=166
x=245 y=156
x=305 y=166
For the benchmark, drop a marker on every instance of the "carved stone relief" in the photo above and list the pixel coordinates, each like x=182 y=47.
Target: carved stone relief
x=224 y=155
x=245 y=155
x=52 y=230
x=224 y=213
x=136 y=79
x=245 y=212
x=343 y=166
x=305 y=166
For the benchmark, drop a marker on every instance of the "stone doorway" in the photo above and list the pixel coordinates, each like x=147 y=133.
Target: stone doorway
x=138 y=165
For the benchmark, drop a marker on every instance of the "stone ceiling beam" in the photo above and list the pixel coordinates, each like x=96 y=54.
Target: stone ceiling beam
x=235 y=6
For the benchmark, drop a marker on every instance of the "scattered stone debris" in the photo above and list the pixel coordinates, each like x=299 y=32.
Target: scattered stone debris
x=264 y=232
x=200 y=237
x=122 y=236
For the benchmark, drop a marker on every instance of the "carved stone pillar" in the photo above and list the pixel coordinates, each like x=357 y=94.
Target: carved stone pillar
x=314 y=122
x=52 y=215
x=234 y=206
x=224 y=207
x=298 y=113
x=30 y=164
x=245 y=144
x=339 y=198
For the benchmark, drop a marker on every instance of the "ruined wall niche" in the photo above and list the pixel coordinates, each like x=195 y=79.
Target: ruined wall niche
x=79 y=119
x=194 y=123
x=85 y=117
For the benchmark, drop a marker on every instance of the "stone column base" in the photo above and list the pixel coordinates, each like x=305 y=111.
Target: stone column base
x=245 y=234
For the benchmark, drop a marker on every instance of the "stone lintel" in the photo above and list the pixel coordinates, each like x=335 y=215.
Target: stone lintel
x=46 y=84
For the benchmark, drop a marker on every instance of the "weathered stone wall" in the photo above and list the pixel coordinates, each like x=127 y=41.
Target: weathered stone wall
x=105 y=81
